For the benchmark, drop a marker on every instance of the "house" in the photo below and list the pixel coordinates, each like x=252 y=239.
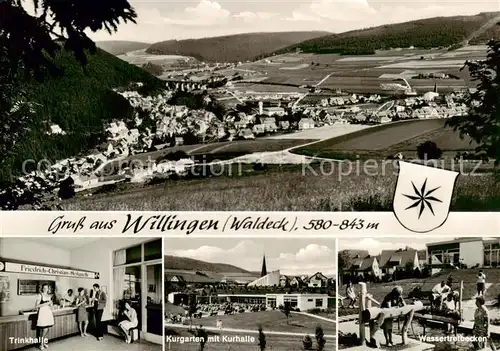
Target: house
x=240 y=124
x=392 y=260
x=426 y=112
x=369 y=265
x=422 y=258
x=317 y=280
x=284 y=125
x=306 y=123
x=247 y=134
x=259 y=129
x=296 y=282
x=465 y=252
x=284 y=281
x=271 y=111
x=179 y=141
x=269 y=124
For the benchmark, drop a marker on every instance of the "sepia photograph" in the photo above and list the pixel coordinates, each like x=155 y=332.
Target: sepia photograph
x=81 y=294
x=419 y=294
x=252 y=294
x=217 y=105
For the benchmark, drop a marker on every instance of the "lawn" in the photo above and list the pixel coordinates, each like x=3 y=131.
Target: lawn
x=270 y=320
x=273 y=342
x=286 y=188
x=386 y=140
x=218 y=151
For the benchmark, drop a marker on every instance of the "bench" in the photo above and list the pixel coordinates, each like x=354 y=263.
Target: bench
x=114 y=329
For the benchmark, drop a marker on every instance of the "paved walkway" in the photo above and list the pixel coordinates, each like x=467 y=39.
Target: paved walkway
x=246 y=331
x=109 y=343
x=412 y=345
x=316 y=316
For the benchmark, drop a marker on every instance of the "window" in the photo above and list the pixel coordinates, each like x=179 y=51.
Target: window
x=319 y=302
x=133 y=254
x=309 y=300
x=128 y=280
x=152 y=250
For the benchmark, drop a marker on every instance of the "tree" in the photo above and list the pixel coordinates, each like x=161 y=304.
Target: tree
x=262 y=339
x=429 y=151
x=286 y=310
x=343 y=262
x=191 y=309
x=34 y=40
x=320 y=338
x=30 y=39
x=482 y=123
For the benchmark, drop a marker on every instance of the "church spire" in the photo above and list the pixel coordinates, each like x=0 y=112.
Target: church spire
x=263 y=272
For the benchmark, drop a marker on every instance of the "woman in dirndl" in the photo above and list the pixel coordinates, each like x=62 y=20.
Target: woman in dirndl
x=45 y=318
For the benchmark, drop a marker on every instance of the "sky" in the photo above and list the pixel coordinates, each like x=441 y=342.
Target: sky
x=291 y=256
x=374 y=246
x=174 y=19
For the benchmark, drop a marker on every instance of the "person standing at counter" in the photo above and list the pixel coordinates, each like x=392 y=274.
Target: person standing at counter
x=82 y=315
x=129 y=322
x=69 y=298
x=99 y=305
x=45 y=318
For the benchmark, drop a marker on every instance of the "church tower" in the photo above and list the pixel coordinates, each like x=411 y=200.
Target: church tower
x=263 y=272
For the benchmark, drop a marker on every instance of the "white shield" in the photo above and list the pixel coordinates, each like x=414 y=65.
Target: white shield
x=423 y=196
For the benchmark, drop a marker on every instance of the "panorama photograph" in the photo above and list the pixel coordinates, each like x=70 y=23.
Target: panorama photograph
x=252 y=294
x=222 y=105
x=419 y=294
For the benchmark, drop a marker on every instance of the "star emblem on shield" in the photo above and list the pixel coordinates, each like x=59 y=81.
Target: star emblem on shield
x=422 y=197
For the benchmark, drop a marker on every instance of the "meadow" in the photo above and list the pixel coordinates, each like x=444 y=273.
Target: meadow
x=388 y=139
x=285 y=188
x=247 y=325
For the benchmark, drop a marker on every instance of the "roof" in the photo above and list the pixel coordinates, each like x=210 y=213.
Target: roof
x=422 y=255
x=367 y=263
x=396 y=258
x=453 y=241
x=194 y=277
x=322 y=276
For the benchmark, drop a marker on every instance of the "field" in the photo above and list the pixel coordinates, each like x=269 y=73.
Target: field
x=288 y=188
x=364 y=74
x=247 y=324
x=389 y=139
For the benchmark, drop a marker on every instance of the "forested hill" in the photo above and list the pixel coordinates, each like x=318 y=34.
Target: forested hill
x=118 y=47
x=425 y=33
x=80 y=102
x=232 y=48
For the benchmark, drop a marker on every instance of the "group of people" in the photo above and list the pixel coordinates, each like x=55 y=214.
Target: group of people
x=88 y=308
x=443 y=298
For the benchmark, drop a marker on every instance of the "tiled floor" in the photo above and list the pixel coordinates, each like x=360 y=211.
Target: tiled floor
x=89 y=343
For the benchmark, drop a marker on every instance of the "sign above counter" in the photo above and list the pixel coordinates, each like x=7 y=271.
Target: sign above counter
x=23 y=268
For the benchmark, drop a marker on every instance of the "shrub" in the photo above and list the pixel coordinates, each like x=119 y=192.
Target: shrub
x=429 y=151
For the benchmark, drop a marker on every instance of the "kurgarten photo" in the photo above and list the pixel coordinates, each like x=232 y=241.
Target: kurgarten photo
x=254 y=294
